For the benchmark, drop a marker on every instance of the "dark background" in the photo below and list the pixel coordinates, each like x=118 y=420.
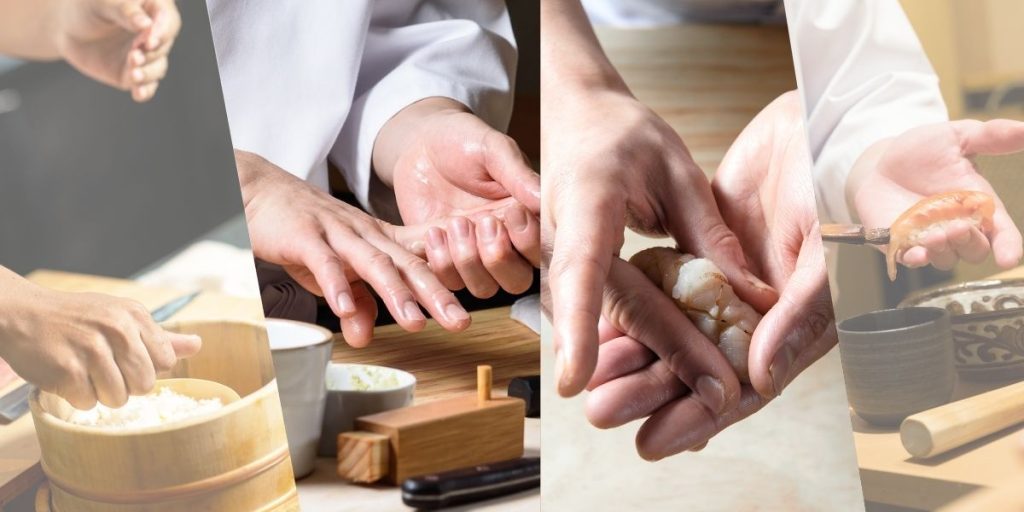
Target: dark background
x=91 y=181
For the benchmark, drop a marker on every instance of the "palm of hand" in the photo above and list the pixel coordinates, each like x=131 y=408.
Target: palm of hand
x=446 y=173
x=897 y=184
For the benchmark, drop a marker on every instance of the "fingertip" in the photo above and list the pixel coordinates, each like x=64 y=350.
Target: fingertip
x=186 y=345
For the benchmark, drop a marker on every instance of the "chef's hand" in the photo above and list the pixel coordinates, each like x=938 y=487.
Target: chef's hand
x=84 y=346
x=894 y=174
x=121 y=43
x=339 y=252
x=610 y=162
x=445 y=162
x=764 y=189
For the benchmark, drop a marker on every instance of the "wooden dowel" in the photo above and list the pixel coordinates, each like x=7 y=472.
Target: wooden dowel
x=483 y=383
x=938 y=430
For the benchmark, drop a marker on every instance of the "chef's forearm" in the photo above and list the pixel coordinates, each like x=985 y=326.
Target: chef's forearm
x=572 y=60
x=28 y=29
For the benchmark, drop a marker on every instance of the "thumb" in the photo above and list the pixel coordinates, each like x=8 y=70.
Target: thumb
x=185 y=345
x=790 y=336
x=706 y=235
x=508 y=166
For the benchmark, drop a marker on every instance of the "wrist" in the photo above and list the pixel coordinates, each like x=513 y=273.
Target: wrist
x=866 y=165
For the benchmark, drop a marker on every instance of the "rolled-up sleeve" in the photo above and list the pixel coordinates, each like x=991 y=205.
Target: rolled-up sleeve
x=419 y=49
x=863 y=76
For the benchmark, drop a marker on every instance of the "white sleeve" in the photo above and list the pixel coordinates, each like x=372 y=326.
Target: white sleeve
x=414 y=50
x=863 y=77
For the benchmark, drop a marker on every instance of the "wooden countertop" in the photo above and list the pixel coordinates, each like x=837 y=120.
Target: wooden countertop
x=19 y=450
x=891 y=477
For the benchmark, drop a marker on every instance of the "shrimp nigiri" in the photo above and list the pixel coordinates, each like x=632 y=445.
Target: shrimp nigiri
x=702 y=291
x=935 y=213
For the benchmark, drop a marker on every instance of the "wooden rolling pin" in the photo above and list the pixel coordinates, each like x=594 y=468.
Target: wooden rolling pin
x=935 y=431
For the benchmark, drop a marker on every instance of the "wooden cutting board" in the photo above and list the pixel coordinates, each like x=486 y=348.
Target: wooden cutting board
x=19 y=451
x=444 y=363
x=890 y=476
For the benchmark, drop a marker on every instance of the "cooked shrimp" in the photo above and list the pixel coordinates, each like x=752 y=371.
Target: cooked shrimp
x=702 y=291
x=935 y=213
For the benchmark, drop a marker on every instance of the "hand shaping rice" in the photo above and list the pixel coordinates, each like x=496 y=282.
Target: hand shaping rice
x=161 y=408
x=701 y=290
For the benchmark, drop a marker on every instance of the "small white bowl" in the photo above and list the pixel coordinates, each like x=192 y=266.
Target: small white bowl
x=356 y=390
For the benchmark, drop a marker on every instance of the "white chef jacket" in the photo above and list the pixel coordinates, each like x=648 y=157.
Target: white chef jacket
x=863 y=77
x=309 y=80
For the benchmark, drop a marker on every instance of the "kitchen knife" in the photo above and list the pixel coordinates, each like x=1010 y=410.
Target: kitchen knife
x=170 y=309
x=528 y=390
x=469 y=485
x=15 y=403
x=854 y=234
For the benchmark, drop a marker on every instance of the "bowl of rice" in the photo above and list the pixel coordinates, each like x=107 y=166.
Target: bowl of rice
x=171 y=401
x=210 y=436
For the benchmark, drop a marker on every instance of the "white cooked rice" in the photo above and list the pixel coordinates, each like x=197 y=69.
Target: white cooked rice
x=161 y=408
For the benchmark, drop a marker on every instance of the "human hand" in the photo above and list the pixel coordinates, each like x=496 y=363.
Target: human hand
x=601 y=177
x=85 y=346
x=764 y=189
x=446 y=163
x=338 y=251
x=894 y=174
x=122 y=43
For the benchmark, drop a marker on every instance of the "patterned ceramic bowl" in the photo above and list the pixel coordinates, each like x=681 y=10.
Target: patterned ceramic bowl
x=988 y=326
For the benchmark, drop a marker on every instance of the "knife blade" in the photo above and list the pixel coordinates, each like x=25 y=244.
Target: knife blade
x=15 y=403
x=854 y=234
x=469 y=485
x=170 y=309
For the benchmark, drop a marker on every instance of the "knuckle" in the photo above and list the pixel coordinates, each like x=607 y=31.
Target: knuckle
x=380 y=262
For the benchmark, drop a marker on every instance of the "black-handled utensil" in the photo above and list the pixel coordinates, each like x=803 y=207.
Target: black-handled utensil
x=528 y=390
x=469 y=485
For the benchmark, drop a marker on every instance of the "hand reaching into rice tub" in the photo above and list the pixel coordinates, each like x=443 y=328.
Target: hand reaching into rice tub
x=763 y=188
x=84 y=347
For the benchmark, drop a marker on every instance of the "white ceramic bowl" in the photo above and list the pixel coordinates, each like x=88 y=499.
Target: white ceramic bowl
x=355 y=390
x=301 y=352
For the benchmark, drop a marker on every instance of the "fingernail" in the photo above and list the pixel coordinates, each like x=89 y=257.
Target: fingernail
x=456 y=312
x=411 y=310
x=779 y=369
x=488 y=228
x=137 y=75
x=346 y=305
x=462 y=227
x=699 y=447
x=515 y=218
x=756 y=282
x=712 y=392
x=560 y=377
x=435 y=237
